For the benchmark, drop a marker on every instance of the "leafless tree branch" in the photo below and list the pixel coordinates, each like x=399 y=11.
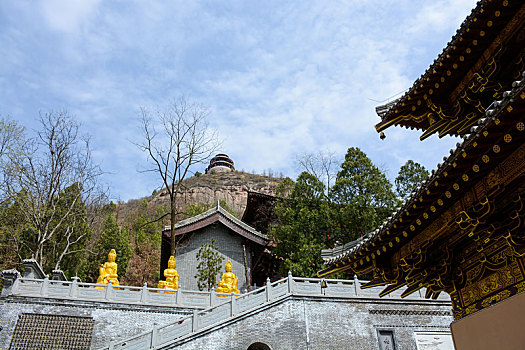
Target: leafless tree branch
x=51 y=166
x=175 y=140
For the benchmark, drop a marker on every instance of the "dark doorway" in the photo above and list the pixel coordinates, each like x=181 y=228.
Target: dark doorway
x=259 y=346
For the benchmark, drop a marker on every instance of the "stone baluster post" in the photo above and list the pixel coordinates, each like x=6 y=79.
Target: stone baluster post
x=233 y=304
x=268 y=289
x=195 y=321
x=178 y=297
x=356 y=285
x=154 y=334
x=109 y=287
x=73 y=288
x=144 y=293
x=111 y=346
x=290 y=282
x=16 y=282
x=45 y=284
x=213 y=298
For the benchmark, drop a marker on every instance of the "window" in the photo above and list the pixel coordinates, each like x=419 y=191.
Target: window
x=386 y=339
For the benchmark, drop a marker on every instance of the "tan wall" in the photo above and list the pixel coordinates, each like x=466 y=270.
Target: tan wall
x=501 y=326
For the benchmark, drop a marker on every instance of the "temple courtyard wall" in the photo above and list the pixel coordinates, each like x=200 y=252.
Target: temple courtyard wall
x=297 y=322
x=291 y=313
x=318 y=323
x=110 y=320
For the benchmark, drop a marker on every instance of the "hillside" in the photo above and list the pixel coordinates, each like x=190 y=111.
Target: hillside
x=139 y=216
x=231 y=187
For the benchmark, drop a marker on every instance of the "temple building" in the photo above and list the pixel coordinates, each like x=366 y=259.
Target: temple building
x=235 y=240
x=461 y=231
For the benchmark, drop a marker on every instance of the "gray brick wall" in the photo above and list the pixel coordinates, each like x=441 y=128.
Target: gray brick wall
x=306 y=323
x=229 y=246
x=112 y=321
x=298 y=322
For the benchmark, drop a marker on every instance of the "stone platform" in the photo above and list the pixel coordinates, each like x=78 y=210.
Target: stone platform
x=292 y=313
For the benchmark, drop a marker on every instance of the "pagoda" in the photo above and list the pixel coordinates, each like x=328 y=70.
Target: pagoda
x=220 y=163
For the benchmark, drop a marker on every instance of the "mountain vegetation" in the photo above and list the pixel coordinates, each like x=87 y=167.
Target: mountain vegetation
x=313 y=217
x=52 y=207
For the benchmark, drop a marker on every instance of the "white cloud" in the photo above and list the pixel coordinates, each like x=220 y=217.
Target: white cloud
x=438 y=16
x=281 y=78
x=68 y=15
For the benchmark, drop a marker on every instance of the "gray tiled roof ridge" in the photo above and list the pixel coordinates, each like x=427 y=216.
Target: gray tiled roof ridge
x=218 y=209
x=331 y=256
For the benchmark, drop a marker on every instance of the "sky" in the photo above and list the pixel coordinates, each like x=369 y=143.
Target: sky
x=280 y=78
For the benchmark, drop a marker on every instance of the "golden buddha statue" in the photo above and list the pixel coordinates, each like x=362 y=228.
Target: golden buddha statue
x=172 y=276
x=108 y=271
x=228 y=282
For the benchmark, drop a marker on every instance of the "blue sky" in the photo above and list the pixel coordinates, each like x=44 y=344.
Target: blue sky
x=280 y=78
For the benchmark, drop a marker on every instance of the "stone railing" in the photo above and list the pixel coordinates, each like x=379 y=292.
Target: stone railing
x=75 y=290
x=238 y=305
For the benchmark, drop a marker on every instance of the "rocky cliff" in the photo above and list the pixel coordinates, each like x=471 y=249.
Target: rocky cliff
x=232 y=187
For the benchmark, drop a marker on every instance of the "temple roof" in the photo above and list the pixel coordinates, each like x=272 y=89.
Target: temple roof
x=219 y=214
x=465 y=164
x=453 y=93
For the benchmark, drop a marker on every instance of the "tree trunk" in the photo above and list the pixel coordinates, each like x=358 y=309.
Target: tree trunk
x=173 y=220
x=246 y=270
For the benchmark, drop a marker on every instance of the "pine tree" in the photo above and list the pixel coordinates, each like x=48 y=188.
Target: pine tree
x=112 y=238
x=410 y=175
x=209 y=266
x=363 y=195
x=305 y=225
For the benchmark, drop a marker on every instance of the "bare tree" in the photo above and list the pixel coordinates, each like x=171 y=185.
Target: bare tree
x=11 y=141
x=175 y=140
x=323 y=165
x=54 y=184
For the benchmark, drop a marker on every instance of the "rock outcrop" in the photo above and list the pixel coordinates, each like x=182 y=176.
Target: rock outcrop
x=232 y=187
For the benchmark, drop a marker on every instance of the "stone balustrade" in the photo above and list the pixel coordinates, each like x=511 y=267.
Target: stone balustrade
x=48 y=288
x=75 y=290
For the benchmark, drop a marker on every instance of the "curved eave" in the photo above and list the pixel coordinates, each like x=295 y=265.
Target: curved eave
x=467 y=48
x=401 y=226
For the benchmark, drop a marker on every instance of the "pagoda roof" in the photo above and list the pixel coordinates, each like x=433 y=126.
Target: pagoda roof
x=454 y=92
x=502 y=126
x=221 y=215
